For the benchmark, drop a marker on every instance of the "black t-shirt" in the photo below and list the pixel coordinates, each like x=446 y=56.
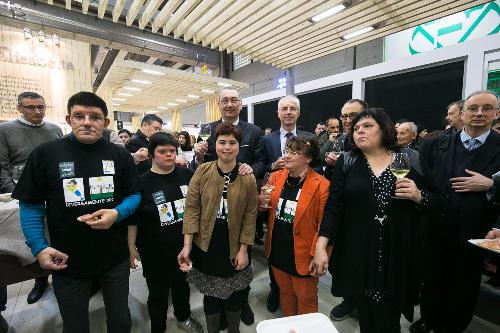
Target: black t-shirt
x=216 y=261
x=74 y=179
x=159 y=222
x=282 y=246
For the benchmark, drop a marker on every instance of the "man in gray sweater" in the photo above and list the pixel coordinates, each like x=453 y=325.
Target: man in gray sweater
x=17 y=139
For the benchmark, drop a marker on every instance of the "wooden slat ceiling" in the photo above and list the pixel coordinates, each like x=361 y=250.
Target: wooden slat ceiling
x=172 y=86
x=277 y=32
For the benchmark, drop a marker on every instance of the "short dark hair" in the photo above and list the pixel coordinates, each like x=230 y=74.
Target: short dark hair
x=305 y=144
x=149 y=118
x=28 y=94
x=86 y=98
x=389 y=136
x=125 y=131
x=331 y=118
x=228 y=129
x=459 y=103
x=359 y=101
x=161 y=139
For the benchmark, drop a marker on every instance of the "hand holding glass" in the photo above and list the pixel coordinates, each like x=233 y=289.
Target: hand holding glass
x=337 y=148
x=268 y=187
x=205 y=131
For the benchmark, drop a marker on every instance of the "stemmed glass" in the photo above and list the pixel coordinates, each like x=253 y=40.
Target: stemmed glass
x=205 y=131
x=400 y=166
x=268 y=187
x=337 y=148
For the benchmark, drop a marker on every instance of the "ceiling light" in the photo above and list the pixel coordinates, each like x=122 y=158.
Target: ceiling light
x=163 y=107
x=55 y=39
x=148 y=71
x=125 y=94
x=153 y=111
x=173 y=104
x=181 y=100
x=193 y=96
x=358 y=32
x=222 y=84
x=132 y=88
x=141 y=81
x=27 y=33
x=116 y=104
x=207 y=91
x=327 y=13
x=119 y=99
x=41 y=36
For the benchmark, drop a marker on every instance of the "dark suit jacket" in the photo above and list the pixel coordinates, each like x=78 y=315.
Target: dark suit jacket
x=272 y=146
x=468 y=215
x=136 y=142
x=250 y=147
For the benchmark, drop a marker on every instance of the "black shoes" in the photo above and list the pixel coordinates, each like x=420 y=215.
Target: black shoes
x=342 y=311
x=273 y=300
x=247 y=316
x=4 y=326
x=419 y=327
x=37 y=292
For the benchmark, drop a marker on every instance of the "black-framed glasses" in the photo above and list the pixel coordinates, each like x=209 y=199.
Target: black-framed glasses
x=232 y=101
x=34 y=107
x=349 y=115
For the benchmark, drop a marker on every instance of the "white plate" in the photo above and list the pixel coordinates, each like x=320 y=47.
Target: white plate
x=307 y=323
x=478 y=242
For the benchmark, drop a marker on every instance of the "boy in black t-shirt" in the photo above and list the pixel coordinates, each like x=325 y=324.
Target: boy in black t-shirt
x=156 y=229
x=84 y=186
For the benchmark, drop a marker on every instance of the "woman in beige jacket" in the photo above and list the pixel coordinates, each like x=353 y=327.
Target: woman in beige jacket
x=219 y=220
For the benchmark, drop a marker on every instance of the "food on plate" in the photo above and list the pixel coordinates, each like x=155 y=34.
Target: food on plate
x=186 y=266
x=491 y=244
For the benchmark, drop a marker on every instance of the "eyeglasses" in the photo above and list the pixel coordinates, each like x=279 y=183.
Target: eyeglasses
x=34 y=107
x=227 y=101
x=92 y=118
x=291 y=152
x=350 y=116
x=475 y=109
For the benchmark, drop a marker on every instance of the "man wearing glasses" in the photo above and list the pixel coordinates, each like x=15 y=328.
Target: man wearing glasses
x=466 y=166
x=17 y=139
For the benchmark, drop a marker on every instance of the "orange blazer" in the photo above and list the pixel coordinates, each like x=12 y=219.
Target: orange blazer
x=308 y=216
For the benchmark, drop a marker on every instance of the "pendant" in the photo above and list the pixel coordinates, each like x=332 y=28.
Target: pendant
x=380 y=219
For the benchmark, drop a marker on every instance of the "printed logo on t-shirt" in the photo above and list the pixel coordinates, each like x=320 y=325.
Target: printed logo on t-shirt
x=278 y=208
x=290 y=210
x=159 y=197
x=184 y=190
x=73 y=190
x=179 y=208
x=166 y=213
x=108 y=167
x=101 y=187
x=66 y=169
x=298 y=195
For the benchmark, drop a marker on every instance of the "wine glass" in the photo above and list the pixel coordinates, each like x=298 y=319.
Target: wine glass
x=205 y=131
x=337 y=148
x=268 y=187
x=400 y=166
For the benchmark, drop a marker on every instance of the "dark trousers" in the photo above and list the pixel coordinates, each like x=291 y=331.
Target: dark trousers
x=214 y=305
x=273 y=284
x=73 y=295
x=377 y=317
x=3 y=298
x=158 y=302
x=451 y=283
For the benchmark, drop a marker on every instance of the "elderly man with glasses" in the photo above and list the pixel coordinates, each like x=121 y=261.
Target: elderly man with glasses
x=18 y=138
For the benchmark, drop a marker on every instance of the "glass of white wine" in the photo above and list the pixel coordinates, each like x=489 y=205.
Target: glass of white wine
x=205 y=131
x=337 y=148
x=400 y=165
x=268 y=187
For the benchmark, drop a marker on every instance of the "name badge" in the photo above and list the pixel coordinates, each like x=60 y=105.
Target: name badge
x=159 y=198
x=66 y=169
x=108 y=167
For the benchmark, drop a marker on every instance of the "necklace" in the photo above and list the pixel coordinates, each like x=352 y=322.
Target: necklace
x=296 y=185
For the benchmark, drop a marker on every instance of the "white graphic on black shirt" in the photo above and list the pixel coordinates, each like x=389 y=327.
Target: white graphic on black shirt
x=73 y=190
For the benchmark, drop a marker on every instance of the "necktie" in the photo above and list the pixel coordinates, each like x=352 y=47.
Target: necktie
x=473 y=144
x=288 y=135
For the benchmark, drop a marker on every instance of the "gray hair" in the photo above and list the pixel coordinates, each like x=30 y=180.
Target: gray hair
x=28 y=94
x=411 y=125
x=232 y=88
x=480 y=92
x=289 y=98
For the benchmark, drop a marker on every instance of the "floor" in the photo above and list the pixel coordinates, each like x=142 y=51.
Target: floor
x=43 y=317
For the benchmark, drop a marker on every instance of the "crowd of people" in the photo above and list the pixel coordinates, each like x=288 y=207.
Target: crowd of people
x=332 y=200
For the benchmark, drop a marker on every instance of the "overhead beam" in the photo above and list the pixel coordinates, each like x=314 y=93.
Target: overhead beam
x=85 y=6
x=192 y=17
x=133 y=11
x=149 y=12
x=77 y=26
x=117 y=9
x=68 y=4
x=164 y=14
x=101 y=10
x=209 y=15
x=179 y=14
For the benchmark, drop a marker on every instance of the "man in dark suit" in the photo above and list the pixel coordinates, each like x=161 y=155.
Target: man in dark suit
x=138 y=143
x=250 y=156
x=464 y=164
x=250 y=159
x=454 y=118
